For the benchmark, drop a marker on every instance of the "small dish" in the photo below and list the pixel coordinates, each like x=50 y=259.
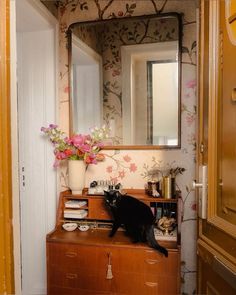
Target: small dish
x=83 y=227
x=69 y=226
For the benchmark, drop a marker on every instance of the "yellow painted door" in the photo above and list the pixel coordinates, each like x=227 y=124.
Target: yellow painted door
x=216 y=246
x=6 y=242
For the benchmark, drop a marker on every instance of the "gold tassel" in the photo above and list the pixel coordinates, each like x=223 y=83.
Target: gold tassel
x=109 y=269
x=109 y=272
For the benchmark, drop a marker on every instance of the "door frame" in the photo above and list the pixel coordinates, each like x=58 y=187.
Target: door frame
x=44 y=12
x=6 y=230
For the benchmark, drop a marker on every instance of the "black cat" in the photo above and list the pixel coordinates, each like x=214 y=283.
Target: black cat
x=136 y=217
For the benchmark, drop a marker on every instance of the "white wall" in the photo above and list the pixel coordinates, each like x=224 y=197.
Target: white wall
x=33 y=98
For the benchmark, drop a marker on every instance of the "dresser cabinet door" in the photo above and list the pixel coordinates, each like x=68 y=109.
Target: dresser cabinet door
x=75 y=267
x=140 y=271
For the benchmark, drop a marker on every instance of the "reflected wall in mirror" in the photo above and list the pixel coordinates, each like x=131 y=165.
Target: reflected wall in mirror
x=126 y=73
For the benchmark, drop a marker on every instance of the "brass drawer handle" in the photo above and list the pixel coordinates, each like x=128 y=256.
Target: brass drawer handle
x=71 y=276
x=151 y=261
x=150 y=284
x=70 y=254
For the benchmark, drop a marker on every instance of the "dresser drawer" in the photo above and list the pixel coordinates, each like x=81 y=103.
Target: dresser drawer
x=75 y=279
x=126 y=284
x=138 y=260
x=56 y=290
x=157 y=263
x=70 y=257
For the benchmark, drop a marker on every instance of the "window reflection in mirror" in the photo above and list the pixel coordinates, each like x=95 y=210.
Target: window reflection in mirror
x=163 y=95
x=118 y=78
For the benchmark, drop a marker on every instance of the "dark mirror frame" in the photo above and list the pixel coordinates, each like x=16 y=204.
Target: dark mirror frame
x=132 y=147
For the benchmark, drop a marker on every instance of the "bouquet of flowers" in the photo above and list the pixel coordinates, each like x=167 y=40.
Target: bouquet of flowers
x=84 y=147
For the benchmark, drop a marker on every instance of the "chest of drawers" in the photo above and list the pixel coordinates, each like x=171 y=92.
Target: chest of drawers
x=91 y=262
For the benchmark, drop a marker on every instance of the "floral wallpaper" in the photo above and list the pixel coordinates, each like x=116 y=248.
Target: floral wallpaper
x=129 y=166
x=107 y=39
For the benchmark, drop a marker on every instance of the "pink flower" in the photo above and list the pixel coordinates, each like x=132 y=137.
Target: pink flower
x=67 y=89
x=190 y=119
x=194 y=207
x=115 y=73
x=68 y=152
x=114 y=179
x=56 y=163
x=60 y=155
x=127 y=158
x=121 y=174
x=44 y=129
x=90 y=159
x=78 y=147
x=78 y=140
x=187 y=95
x=120 y=13
x=132 y=167
x=191 y=84
x=86 y=148
x=109 y=169
x=53 y=126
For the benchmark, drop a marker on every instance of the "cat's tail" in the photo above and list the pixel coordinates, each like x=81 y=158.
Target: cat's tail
x=152 y=242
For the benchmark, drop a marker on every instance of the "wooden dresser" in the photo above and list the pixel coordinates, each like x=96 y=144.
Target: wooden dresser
x=90 y=262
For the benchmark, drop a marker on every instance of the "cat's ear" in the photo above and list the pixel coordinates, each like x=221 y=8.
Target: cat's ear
x=106 y=193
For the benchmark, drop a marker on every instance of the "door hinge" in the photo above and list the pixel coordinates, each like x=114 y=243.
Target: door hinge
x=23 y=177
x=202 y=148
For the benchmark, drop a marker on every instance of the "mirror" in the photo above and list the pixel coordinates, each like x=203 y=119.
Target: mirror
x=125 y=73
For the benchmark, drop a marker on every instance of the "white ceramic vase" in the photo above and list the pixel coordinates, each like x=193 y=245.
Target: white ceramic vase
x=76 y=176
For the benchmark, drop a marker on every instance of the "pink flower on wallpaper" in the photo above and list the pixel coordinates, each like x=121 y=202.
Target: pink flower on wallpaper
x=190 y=119
x=115 y=73
x=114 y=179
x=62 y=10
x=67 y=89
x=191 y=84
x=127 y=158
x=121 y=174
x=187 y=95
x=120 y=13
x=194 y=207
x=132 y=167
x=109 y=169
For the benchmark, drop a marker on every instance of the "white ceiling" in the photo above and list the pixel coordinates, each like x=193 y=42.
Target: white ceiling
x=27 y=18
